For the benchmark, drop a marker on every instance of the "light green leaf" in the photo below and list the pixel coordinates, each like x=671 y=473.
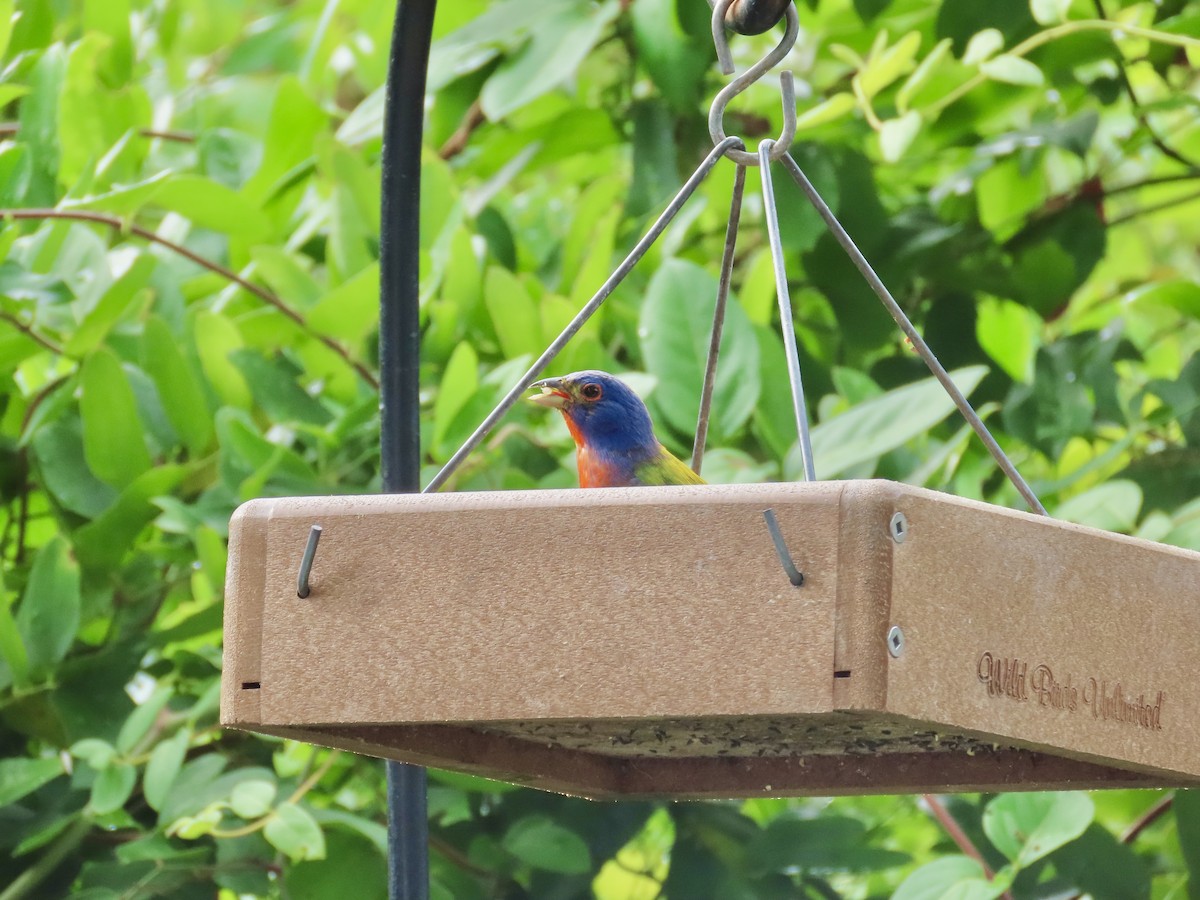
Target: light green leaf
x=21 y=776
x=514 y=314
x=1113 y=506
x=141 y=719
x=112 y=788
x=350 y=310
x=112 y=305
x=216 y=339
x=1012 y=70
x=542 y=843
x=982 y=46
x=96 y=753
x=884 y=68
x=251 y=799
x=113 y=442
x=558 y=45
x=178 y=387
x=675 y=329
x=923 y=73
x=897 y=134
x=292 y=830
x=6 y=23
x=165 y=763
x=873 y=428
x=948 y=878
x=1007 y=332
x=826 y=111
x=460 y=381
x=48 y=616
x=210 y=204
x=1049 y=12
x=1026 y=827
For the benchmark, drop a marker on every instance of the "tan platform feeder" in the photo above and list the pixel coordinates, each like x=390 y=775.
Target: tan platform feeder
x=647 y=642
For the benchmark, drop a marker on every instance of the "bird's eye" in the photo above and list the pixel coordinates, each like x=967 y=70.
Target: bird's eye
x=592 y=392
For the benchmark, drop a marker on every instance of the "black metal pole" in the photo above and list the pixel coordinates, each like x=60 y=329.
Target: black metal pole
x=399 y=365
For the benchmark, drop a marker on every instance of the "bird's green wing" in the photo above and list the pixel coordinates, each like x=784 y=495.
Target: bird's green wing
x=666 y=469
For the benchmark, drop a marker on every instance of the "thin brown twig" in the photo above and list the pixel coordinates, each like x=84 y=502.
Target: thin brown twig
x=457 y=142
x=1153 y=208
x=1148 y=818
x=1138 y=111
x=30 y=333
x=7 y=129
x=956 y=834
x=262 y=293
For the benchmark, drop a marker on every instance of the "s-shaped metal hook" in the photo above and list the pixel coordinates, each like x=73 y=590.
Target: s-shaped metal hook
x=716 y=113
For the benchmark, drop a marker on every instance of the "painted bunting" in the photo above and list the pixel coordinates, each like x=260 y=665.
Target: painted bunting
x=615 y=444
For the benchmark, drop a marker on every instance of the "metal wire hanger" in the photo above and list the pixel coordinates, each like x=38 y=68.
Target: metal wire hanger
x=768 y=151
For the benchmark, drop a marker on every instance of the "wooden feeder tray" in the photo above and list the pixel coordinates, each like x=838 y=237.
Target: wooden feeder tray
x=642 y=642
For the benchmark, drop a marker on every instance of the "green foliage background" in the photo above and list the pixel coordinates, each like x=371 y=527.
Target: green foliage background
x=189 y=223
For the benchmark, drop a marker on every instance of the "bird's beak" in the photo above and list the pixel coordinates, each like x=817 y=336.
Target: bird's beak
x=553 y=393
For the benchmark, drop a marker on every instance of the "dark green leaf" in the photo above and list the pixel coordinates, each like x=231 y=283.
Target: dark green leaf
x=21 y=776
x=48 y=616
x=540 y=842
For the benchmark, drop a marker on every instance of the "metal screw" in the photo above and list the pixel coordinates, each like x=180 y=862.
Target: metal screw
x=895 y=641
x=899 y=527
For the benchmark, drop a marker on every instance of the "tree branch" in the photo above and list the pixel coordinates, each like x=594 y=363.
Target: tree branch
x=8 y=129
x=30 y=333
x=457 y=142
x=956 y=834
x=262 y=293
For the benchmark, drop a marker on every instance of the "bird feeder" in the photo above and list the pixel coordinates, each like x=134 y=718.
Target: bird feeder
x=650 y=642
x=719 y=641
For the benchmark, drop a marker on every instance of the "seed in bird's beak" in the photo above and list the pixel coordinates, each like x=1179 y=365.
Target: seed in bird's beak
x=552 y=394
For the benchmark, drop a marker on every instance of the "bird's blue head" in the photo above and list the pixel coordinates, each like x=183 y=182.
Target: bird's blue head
x=602 y=412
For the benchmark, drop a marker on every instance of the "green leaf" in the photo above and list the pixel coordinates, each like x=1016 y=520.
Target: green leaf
x=14 y=661
x=1012 y=70
x=138 y=725
x=112 y=430
x=21 y=776
x=112 y=305
x=1026 y=827
x=982 y=46
x=251 y=799
x=514 y=314
x=293 y=831
x=162 y=768
x=673 y=51
x=460 y=381
x=1113 y=506
x=826 y=111
x=897 y=135
x=828 y=843
x=1099 y=864
x=347 y=854
x=948 y=878
x=351 y=310
x=112 y=788
x=923 y=73
x=1049 y=12
x=884 y=68
x=210 y=204
x=96 y=753
x=103 y=543
x=675 y=328
x=1186 y=809
x=542 y=843
x=873 y=428
x=178 y=386
x=273 y=384
x=6 y=23
x=216 y=338
x=559 y=44
x=48 y=616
